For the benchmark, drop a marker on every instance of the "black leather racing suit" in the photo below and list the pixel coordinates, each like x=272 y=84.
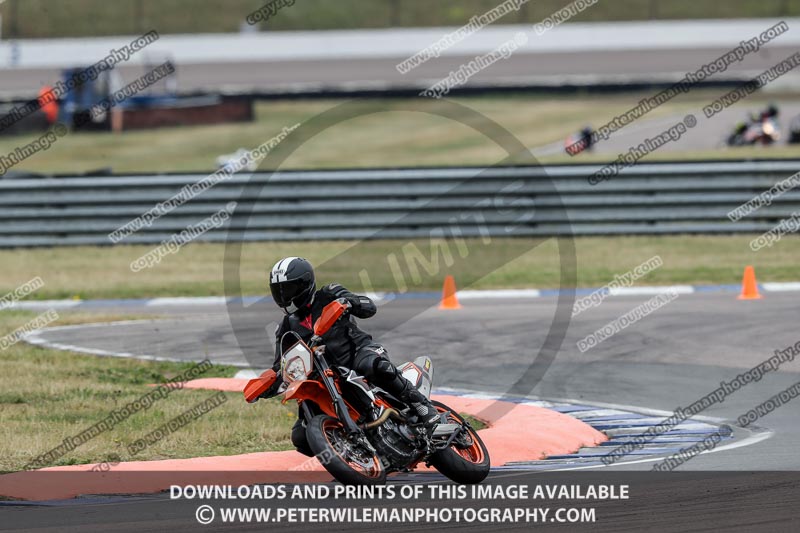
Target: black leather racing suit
x=345 y=345
x=344 y=340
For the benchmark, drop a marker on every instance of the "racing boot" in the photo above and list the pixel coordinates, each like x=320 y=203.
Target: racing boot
x=425 y=409
x=391 y=380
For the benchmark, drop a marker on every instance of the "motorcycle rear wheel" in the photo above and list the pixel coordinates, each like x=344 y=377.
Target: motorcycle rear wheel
x=350 y=464
x=465 y=465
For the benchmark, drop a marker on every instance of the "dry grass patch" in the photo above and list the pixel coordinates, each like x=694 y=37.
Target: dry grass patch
x=47 y=396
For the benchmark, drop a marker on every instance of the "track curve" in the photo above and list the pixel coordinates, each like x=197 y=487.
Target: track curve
x=671 y=358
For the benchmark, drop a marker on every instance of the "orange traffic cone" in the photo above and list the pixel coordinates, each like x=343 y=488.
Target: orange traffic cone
x=749 y=285
x=449 y=299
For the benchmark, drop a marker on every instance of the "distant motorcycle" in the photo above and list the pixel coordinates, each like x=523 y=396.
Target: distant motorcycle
x=763 y=131
x=761 y=128
x=360 y=432
x=579 y=142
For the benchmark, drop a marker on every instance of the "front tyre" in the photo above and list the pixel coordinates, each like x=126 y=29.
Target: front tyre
x=466 y=461
x=349 y=463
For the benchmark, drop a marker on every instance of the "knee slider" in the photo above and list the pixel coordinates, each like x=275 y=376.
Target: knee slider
x=384 y=369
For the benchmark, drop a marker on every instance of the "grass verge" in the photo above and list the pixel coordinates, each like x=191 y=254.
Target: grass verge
x=390 y=138
x=197 y=270
x=47 y=396
x=476 y=423
x=78 y=18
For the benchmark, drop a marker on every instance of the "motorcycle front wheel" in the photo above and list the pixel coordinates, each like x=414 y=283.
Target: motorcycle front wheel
x=465 y=461
x=348 y=462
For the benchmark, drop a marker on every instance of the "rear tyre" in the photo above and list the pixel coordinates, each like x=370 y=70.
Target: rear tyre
x=466 y=462
x=350 y=464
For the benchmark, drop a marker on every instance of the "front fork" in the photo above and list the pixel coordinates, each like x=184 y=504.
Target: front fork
x=353 y=431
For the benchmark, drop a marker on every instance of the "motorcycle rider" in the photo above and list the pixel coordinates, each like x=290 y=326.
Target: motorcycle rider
x=293 y=286
x=771 y=111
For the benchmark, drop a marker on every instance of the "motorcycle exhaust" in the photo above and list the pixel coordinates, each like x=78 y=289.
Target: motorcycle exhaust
x=383 y=418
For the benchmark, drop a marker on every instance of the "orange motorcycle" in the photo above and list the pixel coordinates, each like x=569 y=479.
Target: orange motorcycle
x=359 y=432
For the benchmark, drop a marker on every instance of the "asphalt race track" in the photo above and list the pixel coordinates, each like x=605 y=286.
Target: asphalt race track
x=547 y=68
x=554 y=68
x=668 y=359
x=708 y=134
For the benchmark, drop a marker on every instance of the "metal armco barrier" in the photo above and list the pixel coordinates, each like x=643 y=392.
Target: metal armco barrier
x=657 y=198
